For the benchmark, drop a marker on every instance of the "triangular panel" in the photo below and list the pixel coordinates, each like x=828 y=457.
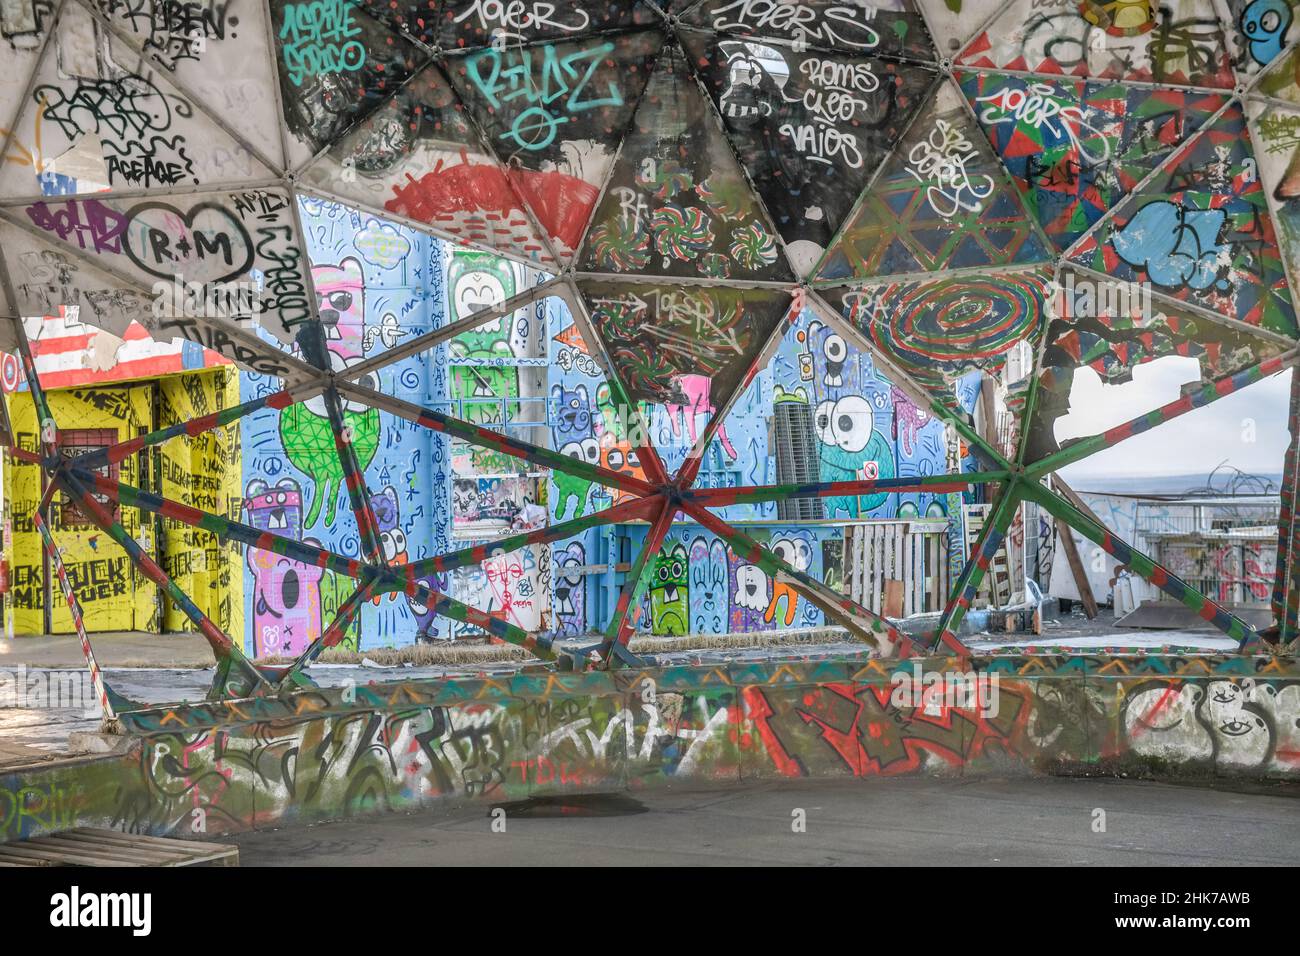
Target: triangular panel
x=1201 y=232
x=1077 y=148
x=1112 y=328
x=107 y=121
x=418 y=158
x=238 y=247
x=337 y=64
x=555 y=113
x=1174 y=41
x=677 y=203
x=47 y=276
x=655 y=335
x=943 y=201
x=217 y=51
x=810 y=128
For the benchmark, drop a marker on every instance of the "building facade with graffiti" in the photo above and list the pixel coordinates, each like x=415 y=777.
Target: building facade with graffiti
x=107 y=389
x=819 y=410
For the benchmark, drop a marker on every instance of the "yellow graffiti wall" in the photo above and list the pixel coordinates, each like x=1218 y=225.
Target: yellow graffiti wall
x=201 y=471
x=112 y=593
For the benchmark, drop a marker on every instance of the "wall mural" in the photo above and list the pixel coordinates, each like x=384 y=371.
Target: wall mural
x=374 y=291
x=729 y=198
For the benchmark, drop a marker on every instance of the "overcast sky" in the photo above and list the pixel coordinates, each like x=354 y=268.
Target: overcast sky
x=1193 y=443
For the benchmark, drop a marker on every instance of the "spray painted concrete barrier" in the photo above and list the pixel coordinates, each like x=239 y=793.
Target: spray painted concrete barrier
x=226 y=766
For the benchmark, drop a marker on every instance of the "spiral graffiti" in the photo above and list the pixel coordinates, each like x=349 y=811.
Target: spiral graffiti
x=935 y=330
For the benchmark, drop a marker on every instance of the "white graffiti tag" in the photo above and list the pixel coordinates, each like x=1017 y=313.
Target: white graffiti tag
x=940 y=160
x=1036 y=106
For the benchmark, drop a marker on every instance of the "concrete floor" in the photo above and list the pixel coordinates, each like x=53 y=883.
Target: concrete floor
x=903 y=821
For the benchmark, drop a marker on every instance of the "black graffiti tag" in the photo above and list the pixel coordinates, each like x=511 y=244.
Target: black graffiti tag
x=202 y=244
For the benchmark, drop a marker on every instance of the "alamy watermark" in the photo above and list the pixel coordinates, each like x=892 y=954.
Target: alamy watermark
x=198 y=300
x=41 y=688
x=1086 y=298
x=934 y=691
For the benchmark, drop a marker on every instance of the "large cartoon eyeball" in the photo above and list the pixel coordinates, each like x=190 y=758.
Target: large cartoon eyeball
x=615 y=459
x=794 y=552
x=846 y=424
x=340 y=301
x=587 y=450
x=399 y=541
x=290 y=589
x=835 y=348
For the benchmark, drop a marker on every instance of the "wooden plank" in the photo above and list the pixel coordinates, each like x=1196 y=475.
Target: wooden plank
x=91 y=846
x=1065 y=535
x=893 y=598
x=53 y=857
x=877 y=570
x=184 y=851
x=111 y=855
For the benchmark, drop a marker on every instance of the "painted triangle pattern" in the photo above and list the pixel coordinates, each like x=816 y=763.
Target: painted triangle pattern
x=1179 y=42
x=1076 y=148
x=943 y=201
x=1200 y=231
x=658 y=334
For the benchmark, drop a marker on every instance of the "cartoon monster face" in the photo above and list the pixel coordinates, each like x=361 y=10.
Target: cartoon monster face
x=750 y=595
x=340 y=295
x=621 y=457
x=851 y=449
x=572 y=414
x=708 y=586
x=391 y=534
x=1264 y=24
x=286 y=603
x=796 y=551
x=669 y=592
x=479 y=281
x=277 y=509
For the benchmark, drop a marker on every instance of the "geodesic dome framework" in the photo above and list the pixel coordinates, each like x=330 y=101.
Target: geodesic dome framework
x=945 y=183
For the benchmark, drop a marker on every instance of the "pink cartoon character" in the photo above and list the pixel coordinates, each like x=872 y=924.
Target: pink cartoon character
x=286 y=603
x=340 y=295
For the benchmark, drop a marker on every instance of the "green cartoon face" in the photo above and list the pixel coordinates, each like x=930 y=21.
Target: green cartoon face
x=477 y=282
x=669 y=598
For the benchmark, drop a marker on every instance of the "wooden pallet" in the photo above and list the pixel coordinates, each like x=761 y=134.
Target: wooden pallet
x=88 y=846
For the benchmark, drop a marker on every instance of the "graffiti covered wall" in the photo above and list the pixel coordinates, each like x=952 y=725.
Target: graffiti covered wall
x=378 y=285
x=211 y=769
